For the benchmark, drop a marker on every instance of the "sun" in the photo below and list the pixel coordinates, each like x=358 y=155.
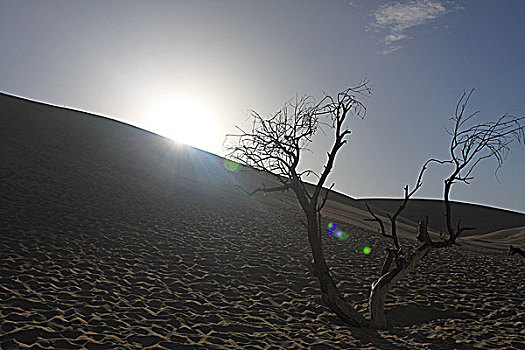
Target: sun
x=184 y=121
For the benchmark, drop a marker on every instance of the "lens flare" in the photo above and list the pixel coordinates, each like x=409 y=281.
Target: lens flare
x=334 y=231
x=367 y=250
x=232 y=166
x=330 y=231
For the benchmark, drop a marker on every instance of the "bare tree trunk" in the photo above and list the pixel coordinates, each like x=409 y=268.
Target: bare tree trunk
x=384 y=284
x=330 y=293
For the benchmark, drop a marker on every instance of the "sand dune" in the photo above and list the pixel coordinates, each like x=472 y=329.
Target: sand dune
x=113 y=237
x=482 y=219
x=499 y=239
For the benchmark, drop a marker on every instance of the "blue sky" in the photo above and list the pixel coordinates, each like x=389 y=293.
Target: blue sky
x=192 y=69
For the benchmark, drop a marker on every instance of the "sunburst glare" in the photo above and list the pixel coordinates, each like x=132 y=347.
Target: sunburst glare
x=184 y=121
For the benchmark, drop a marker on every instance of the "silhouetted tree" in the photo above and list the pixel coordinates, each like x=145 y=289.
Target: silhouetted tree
x=470 y=144
x=275 y=144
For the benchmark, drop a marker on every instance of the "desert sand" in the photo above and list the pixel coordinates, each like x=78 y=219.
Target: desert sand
x=115 y=238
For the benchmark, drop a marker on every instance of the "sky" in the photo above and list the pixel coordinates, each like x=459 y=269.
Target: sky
x=191 y=70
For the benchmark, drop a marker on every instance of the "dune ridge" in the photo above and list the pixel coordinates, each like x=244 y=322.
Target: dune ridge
x=113 y=237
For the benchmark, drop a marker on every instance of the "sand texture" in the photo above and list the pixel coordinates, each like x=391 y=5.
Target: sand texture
x=114 y=238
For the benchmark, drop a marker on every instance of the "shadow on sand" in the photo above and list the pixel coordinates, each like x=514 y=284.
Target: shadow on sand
x=406 y=316
x=414 y=314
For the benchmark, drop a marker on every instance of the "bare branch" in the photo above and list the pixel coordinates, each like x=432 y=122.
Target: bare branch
x=422 y=231
x=460 y=229
x=339 y=110
x=380 y=222
x=407 y=195
x=325 y=198
x=388 y=262
x=274 y=143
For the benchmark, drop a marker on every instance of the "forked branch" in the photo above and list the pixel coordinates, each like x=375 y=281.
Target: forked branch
x=407 y=195
x=379 y=221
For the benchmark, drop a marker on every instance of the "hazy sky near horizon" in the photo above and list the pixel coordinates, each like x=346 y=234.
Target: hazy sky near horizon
x=192 y=69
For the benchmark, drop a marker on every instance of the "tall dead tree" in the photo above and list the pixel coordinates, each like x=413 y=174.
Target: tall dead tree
x=275 y=144
x=471 y=143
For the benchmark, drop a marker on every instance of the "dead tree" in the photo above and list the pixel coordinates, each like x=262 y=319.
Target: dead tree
x=275 y=144
x=470 y=144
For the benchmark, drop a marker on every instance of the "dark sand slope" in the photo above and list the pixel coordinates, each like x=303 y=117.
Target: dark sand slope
x=112 y=237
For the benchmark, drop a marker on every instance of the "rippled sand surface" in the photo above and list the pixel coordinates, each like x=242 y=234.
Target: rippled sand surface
x=180 y=267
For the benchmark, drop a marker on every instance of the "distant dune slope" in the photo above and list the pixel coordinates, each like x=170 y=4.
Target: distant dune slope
x=499 y=239
x=483 y=219
x=34 y=134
